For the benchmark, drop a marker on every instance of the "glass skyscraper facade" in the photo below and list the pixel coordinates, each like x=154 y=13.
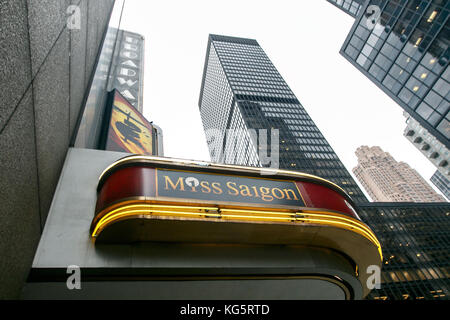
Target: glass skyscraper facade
x=442 y=183
x=351 y=7
x=428 y=145
x=242 y=90
x=415 y=238
x=402 y=46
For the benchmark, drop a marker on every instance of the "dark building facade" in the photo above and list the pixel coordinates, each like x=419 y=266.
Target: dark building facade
x=428 y=145
x=416 y=245
x=243 y=91
x=442 y=183
x=48 y=55
x=402 y=46
x=351 y=7
x=60 y=59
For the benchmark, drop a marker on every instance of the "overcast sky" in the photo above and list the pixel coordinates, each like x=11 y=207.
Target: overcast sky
x=302 y=38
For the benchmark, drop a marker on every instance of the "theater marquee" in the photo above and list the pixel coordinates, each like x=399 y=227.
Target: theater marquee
x=226 y=188
x=146 y=198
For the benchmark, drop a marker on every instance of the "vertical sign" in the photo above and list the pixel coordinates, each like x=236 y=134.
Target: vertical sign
x=126 y=129
x=128 y=66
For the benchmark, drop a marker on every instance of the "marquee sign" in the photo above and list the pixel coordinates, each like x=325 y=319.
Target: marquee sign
x=189 y=189
x=146 y=198
x=226 y=188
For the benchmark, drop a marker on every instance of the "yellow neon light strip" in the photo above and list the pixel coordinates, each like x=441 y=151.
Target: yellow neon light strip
x=321 y=218
x=339 y=217
x=148 y=212
x=209 y=211
x=363 y=230
x=145 y=208
x=306 y=215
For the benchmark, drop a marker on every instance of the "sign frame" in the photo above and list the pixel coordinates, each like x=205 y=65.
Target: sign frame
x=112 y=141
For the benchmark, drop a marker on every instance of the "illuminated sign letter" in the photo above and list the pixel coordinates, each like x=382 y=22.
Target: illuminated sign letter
x=127 y=72
x=129 y=54
x=129 y=83
x=130 y=47
x=286 y=191
x=174 y=186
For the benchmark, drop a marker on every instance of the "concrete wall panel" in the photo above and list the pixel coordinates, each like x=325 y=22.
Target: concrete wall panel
x=77 y=69
x=15 y=56
x=19 y=212
x=45 y=70
x=51 y=102
x=47 y=19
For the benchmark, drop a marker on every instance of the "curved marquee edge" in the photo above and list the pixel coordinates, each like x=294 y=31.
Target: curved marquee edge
x=128 y=191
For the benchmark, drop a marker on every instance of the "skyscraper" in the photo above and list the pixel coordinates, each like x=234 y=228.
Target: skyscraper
x=61 y=60
x=387 y=180
x=433 y=149
x=442 y=183
x=243 y=91
x=415 y=241
x=402 y=46
x=351 y=7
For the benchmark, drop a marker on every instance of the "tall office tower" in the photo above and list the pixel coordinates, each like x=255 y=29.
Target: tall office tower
x=242 y=90
x=442 y=183
x=351 y=7
x=416 y=242
x=433 y=149
x=388 y=180
x=402 y=46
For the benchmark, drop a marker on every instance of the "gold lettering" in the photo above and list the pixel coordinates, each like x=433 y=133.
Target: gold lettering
x=245 y=191
x=205 y=187
x=256 y=192
x=236 y=192
x=265 y=194
x=216 y=187
x=179 y=181
x=286 y=191
x=275 y=195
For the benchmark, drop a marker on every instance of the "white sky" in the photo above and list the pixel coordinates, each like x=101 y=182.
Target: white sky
x=302 y=38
